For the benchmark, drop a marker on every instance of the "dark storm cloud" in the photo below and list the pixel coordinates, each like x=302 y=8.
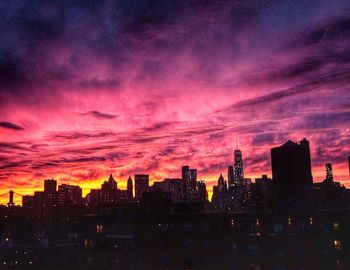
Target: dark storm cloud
x=10 y=125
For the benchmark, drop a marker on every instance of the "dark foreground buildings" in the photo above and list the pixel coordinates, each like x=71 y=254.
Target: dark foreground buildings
x=284 y=223
x=291 y=174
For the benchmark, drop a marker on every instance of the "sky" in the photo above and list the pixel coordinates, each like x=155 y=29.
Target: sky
x=89 y=88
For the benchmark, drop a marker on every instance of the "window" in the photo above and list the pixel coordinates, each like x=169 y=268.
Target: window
x=337 y=245
x=336 y=226
x=99 y=228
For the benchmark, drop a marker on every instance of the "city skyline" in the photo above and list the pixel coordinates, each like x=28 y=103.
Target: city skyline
x=234 y=170
x=146 y=87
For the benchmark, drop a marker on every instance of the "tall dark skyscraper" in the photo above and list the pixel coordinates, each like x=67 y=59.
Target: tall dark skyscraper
x=130 y=189
x=238 y=166
x=50 y=186
x=230 y=176
x=141 y=184
x=291 y=165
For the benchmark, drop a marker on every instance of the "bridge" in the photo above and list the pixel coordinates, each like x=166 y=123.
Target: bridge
x=11 y=197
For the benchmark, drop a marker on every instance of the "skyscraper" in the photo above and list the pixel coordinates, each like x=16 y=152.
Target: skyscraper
x=130 y=189
x=141 y=184
x=50 y=186
x=109 y=189
x=69 y=194
x=291 y=165
x=230 y=176
x=329 y=172
x=238 y=167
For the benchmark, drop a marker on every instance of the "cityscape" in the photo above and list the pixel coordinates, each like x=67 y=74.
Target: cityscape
x=172 y=224
x=175 y=134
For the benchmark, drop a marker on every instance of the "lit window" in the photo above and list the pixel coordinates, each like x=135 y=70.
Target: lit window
x=336 y=226
x=99 y=228
x=337 y=245
x=311 y=221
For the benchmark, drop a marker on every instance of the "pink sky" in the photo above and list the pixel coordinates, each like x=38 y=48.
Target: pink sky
x=146 y=88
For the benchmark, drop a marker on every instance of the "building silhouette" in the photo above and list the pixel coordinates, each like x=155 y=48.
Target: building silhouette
x=238 y=167
x=291 y=164
x=291 y=175
x=141 y=185
x=230 y=176
x=50 y=186
x=68 y=195
x=130 y=189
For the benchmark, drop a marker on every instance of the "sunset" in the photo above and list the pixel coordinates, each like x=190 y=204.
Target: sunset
x=146 y=87
x=98 y=91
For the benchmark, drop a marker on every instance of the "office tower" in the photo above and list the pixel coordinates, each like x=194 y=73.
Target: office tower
x=95 y=199
x=219 y=198
x=171 y=185
x=69 y=195
x=230 y=176
x=141 y=184
x=184 y=171
x=291 y=165
x=238 y=166
x=262 y=193
x=28 y=201
x=130 y=189
x=329 y=172
x=109 y=191
x=189 y=184
x=184 y=185
x=50 y=186
x=203 y=193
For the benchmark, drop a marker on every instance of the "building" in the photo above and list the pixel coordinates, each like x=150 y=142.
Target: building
x=28 y=201
x=189 y=184
x=329 y=193
x=69 y=195
x=291 y=175
x=262 y=193
x=171 y=185
x=230 y=176
x=50 y=186
x=129 y=187
x=238 y=167
x=202 y=190
x=109 y=191
x=291 y=165
x=141 y=185
x=219 y=198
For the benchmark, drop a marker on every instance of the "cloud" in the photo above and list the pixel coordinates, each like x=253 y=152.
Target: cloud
x=174 y=83
x=10 y=125
x=100 y=115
